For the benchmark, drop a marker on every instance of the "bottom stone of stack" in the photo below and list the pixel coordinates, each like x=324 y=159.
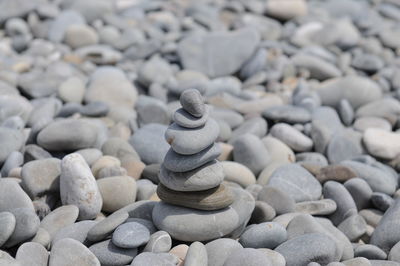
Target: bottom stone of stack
x=186 y=224
x=211 y=199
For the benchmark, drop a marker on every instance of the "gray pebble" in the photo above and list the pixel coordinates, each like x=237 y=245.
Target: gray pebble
x=371 y=252
x=219 y=250
x=306 y=248
x=27 y=224
x=182 y=163
x=353 y=227
x=8 y=223
x=297 y=182
x=287 y=114
x=109 y=254
x=263 y=235
x=130 y=235
x=149 y=258
x=248 y=256
x=68 y=251
x=292 y=137
x=196 y=255
x=360 y=191
x=263 y=212
x=192 y=102
x=184 y=119
x=381 y=201
x=77 y=231
x=105 y=227
x=281 y=202
x=31 y=253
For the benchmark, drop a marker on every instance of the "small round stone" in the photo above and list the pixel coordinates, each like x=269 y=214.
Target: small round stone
x=71 y=252
x=238 y=173
x=263 y=235
x=130 y=235
x=219 y=250
x=196 y=255
x=280 y=201
x=192 y=101
x=353 y=227
x=263 y=212
x=31 y=253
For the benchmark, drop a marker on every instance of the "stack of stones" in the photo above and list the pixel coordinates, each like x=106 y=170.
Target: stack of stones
x=191 y=176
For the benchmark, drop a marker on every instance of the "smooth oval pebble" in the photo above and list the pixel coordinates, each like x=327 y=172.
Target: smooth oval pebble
x=149 y=258
x=78 y=186
x=280 y=201
x=344 y=202
x=371 y=252
x=192 y=101
x=381 y=143
x=33 y=254
x=297 y=182
x=353 y=227
x=185 y=119
x=109 y=254
x=288 y=114
x=238 y=173
x=126 y=187
x=12 y=196
x=263 y=212
x=196 y=255
x=263 y=235
x=67 y=134
x=71 y=252
x=211 y=199
x=204 y=177
x=307 y=248
x=291 y=137
x=182 y=163
x=219 y=250
x=200 y=225
x=251 y=152
x=130 y=235
x=187 y=141
x=337 y=173
x=249 y=257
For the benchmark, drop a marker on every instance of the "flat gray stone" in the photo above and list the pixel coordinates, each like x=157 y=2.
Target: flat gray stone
x=150 y=144
x=182 y=163
x=219 y=250
x=301 y=250
x=386 y=233
x=288 y=114
x=68 y=251
x=250 y=151
x=31 y=253
x=292 y=137
x=198 y=225
x=59 y=218
x=130 y=235
x=67 y=134
x=109 y=254
x=200 y=52
x=149 y=258
x=280 y=201
x=204 y=177
x=41 y=176
x=353 y=227
x=248 y=256
x=196 y=255
x=263 y=235
x=10 y=140
x=297 y=182
x=12 y=196
x=187 y=141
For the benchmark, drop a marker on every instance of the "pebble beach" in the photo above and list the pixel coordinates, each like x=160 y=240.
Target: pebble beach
x=199 y=133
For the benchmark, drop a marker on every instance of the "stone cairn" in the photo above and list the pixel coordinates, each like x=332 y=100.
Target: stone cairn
x=191 y=176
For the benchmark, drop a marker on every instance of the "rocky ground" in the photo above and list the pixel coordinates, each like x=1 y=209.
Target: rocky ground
x=199 y=133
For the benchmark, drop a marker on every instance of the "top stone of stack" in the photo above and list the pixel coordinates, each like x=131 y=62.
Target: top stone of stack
x=192 y=102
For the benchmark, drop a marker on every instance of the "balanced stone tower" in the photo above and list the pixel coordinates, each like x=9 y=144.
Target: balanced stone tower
x=195 y=203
